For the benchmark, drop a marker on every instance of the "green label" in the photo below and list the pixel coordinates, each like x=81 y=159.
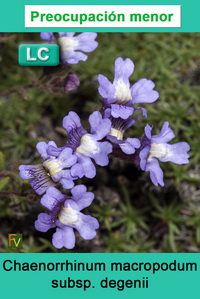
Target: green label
x=38 y=55
x=15 y=240
x=96 y=275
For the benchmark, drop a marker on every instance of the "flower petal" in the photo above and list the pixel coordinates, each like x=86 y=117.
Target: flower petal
x=102 y=157
x=84 y=167
x=64 y=237
x=71 y=122
x=121 y=111
x=66 y=179
x=142 y=92
x=54 y=151
x=44 y=222
x=99 y=127
x=80 y=198
x=42 y=148
x=87 y=226
x=72 y=57
x=147 y=131
x=40 y=186
x=46 y=36
x=123 y=70
x=86 y=41
x=67 y=158
x=28 y=172
x=85 y=200
x=129 y=146
x=156 y=173
x=106 y=88
x=166 y=134
x=177 y=153
x=52 y=198
x=143 y=157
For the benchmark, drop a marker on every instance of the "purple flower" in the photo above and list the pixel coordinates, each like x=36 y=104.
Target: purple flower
x=156 y=148
x=66 y=216
x=119 y=96
x=87 y=145
x=51 y=171
x=71 y=82
x=48 y=36
x=62 y=83
x=72 y=47
x=116 y=134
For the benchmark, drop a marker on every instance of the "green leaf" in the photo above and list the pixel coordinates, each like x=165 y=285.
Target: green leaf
x=2 y=163
x=4 y=182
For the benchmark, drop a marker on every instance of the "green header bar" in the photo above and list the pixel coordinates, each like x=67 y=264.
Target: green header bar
x=12 y=15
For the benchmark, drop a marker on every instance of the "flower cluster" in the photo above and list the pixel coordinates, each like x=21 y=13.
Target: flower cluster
x=86 y=147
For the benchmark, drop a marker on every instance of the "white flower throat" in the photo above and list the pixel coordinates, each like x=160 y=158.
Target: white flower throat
x=52 y=166
x=122 y=92
x=158 y=151
x=116 y=133
x=88 y=146
x=67 y=43
x=68 y=216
